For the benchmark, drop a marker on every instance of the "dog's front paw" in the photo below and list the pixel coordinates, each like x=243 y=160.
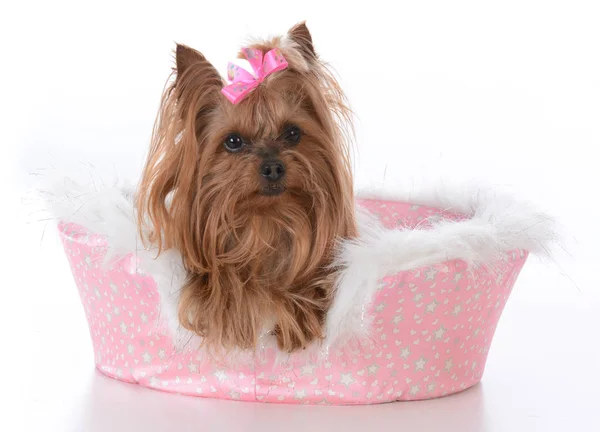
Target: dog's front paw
x=296 y=331
x=290 y=341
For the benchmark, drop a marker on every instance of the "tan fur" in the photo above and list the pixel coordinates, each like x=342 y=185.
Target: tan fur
x=252 y=260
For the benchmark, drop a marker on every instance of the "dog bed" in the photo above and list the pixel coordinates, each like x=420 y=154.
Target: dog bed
x=416 y=306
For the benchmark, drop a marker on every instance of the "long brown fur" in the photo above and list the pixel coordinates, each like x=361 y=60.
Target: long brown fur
x=255 y=263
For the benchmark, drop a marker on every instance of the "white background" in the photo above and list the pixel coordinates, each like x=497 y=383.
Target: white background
x=503 y=93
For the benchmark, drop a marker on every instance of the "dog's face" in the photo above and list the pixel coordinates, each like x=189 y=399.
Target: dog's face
x=271 y=149
x=253 y=194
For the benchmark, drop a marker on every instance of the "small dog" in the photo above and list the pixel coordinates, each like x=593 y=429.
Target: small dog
x=253 y=194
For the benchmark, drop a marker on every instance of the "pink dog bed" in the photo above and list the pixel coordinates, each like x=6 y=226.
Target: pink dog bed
x=414 y=316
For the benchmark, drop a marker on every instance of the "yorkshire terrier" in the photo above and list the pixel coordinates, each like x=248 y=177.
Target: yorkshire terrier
x=254 y=193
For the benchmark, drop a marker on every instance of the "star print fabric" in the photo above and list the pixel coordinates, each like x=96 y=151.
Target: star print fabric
x=431 y=331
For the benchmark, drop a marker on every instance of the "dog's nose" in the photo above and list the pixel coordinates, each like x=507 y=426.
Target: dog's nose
x=272 y=170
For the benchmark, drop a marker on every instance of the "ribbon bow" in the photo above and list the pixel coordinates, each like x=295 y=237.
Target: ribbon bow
x=243 y=82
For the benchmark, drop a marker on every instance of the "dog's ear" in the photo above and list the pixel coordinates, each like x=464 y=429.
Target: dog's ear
x=300 y=34
x=185 y=57
x=188 y=59
x=197 y=82
x=172 y=165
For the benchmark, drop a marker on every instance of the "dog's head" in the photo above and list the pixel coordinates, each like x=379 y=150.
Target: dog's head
x=281 y=154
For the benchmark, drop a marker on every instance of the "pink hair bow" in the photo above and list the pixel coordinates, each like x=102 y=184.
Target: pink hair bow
x=243 y=82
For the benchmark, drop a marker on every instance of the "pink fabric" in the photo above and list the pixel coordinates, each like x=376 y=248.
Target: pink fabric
x=432 y=329
x=243 y=82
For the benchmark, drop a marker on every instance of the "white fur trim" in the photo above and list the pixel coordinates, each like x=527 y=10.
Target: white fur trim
x=108 y=210
x=496 y=224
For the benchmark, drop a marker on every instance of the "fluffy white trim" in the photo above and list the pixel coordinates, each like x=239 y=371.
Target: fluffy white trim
x=108 y=210
x=495 y=224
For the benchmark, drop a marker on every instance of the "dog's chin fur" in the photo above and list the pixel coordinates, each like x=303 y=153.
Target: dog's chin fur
x=258 y=256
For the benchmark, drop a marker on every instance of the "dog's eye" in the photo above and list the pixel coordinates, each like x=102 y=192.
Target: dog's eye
x=233 y=143
x=292 y=135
